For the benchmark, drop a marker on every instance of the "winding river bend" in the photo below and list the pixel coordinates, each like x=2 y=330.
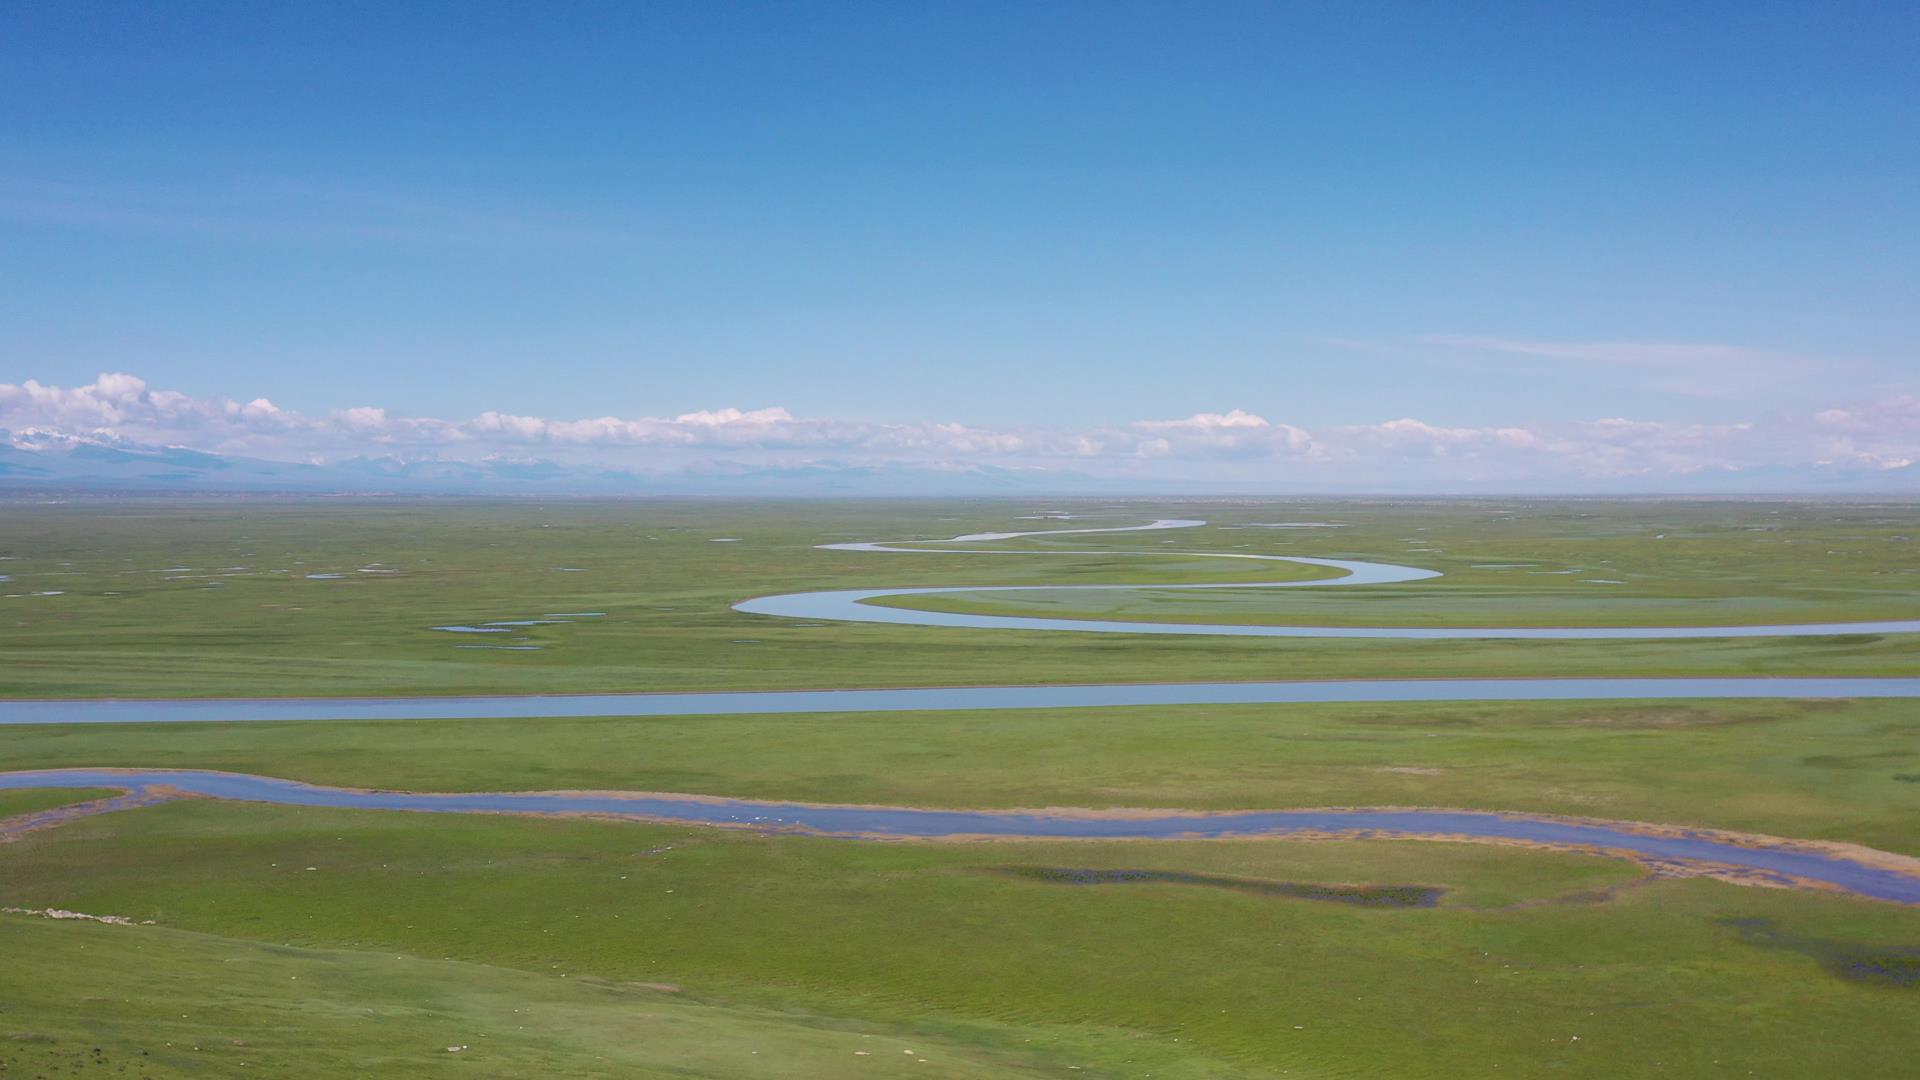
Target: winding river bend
x=1760 y=860
x=1753 y=859
x=851 y=605
x=854 y=605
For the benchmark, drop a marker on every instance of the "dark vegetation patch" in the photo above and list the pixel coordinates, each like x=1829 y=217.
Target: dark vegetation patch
x=1849 y=639
x=1907 y=777
x=1378 y=896
x=1883 y=965
x=1414 y=718
x=78 y=1060
x=1647 y=717
x=1853 y=761
x=1298 y=737
x=1662 y=718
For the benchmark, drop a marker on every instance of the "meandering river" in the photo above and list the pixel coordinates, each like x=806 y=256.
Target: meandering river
x=1763 y=859
x=854 y=605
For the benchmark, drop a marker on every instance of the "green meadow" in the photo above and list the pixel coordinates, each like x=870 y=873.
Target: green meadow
x=305 y=942
x=911 y=941
x=170 y=600
x=169 y=1003
x=33 y=800
x=1847 y=771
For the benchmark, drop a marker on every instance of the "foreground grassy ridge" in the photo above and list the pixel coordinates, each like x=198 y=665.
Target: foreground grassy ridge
x=166 y=1003
x=1131 y=980
x=1812 y=770
x=183 y=600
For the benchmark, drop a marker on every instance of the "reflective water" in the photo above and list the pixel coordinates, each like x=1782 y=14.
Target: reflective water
x=1778 y=863
x=852 y=605
x=922 y=699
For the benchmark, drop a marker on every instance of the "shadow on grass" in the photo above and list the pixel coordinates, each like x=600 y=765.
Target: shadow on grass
x=1884 y=965
x=1378 y=896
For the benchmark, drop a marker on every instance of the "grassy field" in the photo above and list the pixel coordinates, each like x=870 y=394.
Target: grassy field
x=1520 y=956
x=31 y=800
x=1645 y=565
x=171 y=600
x=1814 y=770
x=109 y=1000
x=543 y=946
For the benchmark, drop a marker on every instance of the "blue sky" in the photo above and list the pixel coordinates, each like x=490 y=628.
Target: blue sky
x=1041 y=222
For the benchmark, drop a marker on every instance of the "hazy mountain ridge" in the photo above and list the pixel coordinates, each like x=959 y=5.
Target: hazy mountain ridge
x=41 y=460
x=38 y=460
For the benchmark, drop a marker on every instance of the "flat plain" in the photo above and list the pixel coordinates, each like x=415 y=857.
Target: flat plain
x=574 y=947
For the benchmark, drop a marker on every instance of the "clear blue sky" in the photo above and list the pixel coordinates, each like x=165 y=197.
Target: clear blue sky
x=1056 y=214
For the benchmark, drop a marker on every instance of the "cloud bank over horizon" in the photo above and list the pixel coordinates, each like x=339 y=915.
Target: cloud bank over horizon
x=1233 y=449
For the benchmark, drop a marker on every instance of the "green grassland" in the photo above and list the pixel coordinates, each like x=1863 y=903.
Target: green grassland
x=158 y=1002
x=1813 y=770
x=1696 y=565
x=32 y=800
x=786 y=955
x=173 y=600
x=1164 y=980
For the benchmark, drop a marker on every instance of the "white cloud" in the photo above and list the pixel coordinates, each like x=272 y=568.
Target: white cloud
x=365 y=418
x=1228 y=446
x=725 y=417
x=1899 y=414
x=1692 y=369
x=1235 y=433
x=1207 y=421
x=1657 y=354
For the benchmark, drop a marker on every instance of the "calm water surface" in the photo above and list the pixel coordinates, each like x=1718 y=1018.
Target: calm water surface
x=857 y=821
x=535 y=706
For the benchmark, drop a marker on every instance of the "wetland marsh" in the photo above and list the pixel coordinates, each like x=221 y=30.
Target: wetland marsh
x=222 y=621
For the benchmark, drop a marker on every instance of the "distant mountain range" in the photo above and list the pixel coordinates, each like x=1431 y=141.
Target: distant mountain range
x=39 y=461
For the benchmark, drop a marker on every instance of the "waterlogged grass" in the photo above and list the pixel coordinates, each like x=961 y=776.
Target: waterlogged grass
x=216 y=599
x=1525 y=951
x=1811 y=770
x=155 y=1002
x=19 y=801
